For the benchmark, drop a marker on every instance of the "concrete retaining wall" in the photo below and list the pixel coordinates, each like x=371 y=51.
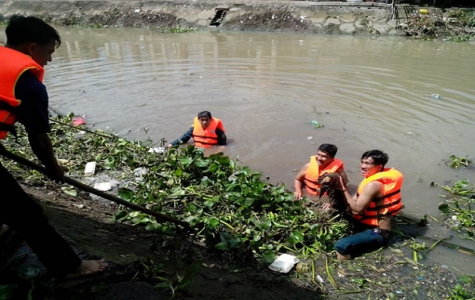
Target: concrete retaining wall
x=264 y=15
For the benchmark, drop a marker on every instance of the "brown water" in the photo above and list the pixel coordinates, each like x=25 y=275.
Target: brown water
x=267 y=88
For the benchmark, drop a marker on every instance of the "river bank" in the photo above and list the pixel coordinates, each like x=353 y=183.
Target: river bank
x=370 y=18
x=279 y=16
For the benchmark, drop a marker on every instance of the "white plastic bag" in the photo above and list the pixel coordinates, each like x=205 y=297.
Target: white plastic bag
x=284 y=263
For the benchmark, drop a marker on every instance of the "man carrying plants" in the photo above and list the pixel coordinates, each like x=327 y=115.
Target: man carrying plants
x=377 y=200
x=323 y=162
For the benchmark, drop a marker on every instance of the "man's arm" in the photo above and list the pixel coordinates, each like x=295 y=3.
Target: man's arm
x=298 y=182
x=41 y=145
x=221 y=137
x=359 y=204
x=183 y=139
x=33 y=114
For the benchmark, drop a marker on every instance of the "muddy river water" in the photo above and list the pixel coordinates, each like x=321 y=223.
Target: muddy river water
x=413 y=99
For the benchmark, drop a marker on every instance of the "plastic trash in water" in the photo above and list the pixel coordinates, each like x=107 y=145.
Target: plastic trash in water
x=103 y=186
x=320 y=279
x=157 y=150
x=78 y=121
x=435 y=96
x=316 y=124
x=284 y=263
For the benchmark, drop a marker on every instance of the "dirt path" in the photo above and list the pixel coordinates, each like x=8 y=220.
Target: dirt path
x=87 y=225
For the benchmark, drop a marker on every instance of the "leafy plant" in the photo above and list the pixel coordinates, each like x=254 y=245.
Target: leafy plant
x=457 y=161
x=459 y=211
x=227 y=204
x=460 y=187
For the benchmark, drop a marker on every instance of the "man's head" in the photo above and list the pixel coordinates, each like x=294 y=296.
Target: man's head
x=325 y=154
x=32 y=36
x=204 y=118
x=372 y=162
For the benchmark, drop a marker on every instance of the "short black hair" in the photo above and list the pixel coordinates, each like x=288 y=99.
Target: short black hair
x=378 y=156
x=330 y=149
x=204 y=114
x=21 y=29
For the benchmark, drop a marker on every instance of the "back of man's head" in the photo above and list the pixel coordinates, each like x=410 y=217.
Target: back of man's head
x=330 y=149
x=378 y=156
x=21 y=30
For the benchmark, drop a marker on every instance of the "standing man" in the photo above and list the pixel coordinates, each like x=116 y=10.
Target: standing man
x=206 y=132
x=377 y=200
x=23 y=97
x=323 y=162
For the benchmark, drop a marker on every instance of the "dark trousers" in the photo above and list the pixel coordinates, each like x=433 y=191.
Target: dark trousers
x=26 y=218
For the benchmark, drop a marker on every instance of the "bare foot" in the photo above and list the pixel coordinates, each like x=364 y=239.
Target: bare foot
x=342 y=256
x=4 y=229
x=87 y=268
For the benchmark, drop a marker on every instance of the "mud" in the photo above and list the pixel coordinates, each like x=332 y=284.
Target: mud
x=87 y=226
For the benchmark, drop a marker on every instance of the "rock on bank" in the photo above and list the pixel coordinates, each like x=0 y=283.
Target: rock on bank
x=262 y=15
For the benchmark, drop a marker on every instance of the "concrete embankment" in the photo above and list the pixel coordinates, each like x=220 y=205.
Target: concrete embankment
x=263 y=15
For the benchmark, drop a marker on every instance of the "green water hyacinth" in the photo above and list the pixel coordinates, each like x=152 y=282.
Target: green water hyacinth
x=228 y=205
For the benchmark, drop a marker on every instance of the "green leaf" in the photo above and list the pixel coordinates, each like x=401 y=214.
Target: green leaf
x=466 y=279
x=126 y=194
x=268 y=257
x=6 y=292
x=295 y=238
x=69 y=191
x=202 y=163
x=223 y=246
x=185 y=160
x=213 y=222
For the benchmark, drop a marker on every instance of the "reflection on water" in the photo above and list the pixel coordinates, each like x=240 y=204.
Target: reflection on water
x=267 y=88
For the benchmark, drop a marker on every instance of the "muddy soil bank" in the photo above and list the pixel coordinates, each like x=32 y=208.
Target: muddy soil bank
x=281 y=16
x=135 y=257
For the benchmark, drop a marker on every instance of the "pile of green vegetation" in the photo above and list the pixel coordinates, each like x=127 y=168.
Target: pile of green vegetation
x=227 y=204
x=232 y=209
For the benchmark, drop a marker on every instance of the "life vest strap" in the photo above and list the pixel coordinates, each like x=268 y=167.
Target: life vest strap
x=387 y=196
x=379 y=207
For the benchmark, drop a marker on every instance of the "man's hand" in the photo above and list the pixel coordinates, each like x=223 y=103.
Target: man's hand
x=57 y=173
x=298 y=196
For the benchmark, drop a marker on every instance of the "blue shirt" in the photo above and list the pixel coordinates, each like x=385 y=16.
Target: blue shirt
x=33 y=110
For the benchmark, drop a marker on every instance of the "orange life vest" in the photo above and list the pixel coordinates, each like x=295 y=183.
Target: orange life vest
x=13 y=64
x=206 y=138
x=389 y=203
x=313 y=172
